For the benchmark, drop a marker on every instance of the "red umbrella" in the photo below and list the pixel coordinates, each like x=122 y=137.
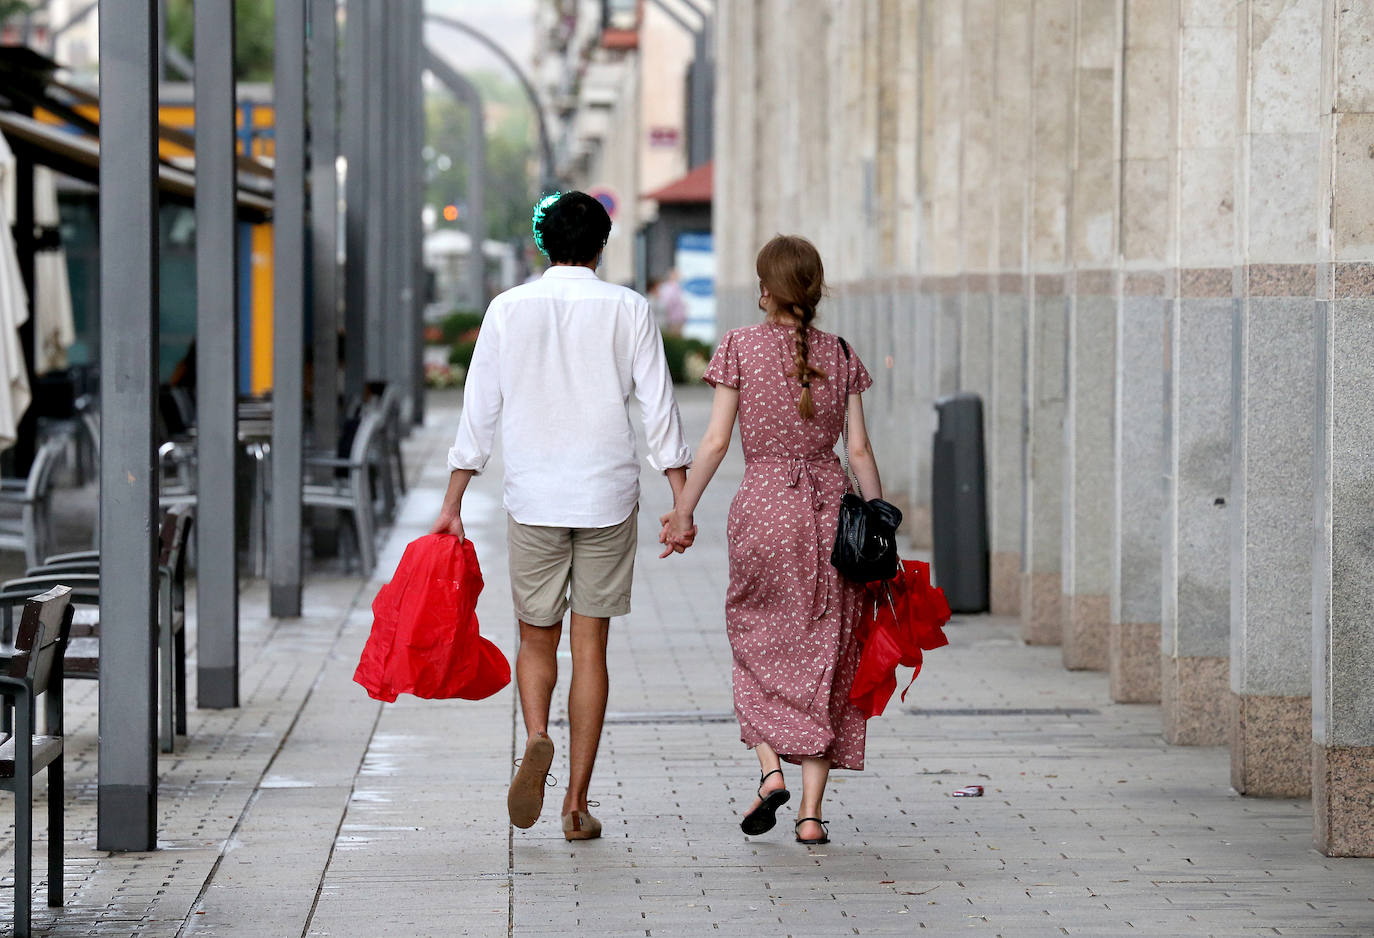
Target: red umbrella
x=424 y=637
x=902 y=622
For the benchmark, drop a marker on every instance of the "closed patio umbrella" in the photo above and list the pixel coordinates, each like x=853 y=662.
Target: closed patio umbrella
x=54 y=327
x=14 y=312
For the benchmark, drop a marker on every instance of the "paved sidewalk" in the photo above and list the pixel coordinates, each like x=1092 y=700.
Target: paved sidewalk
x=316 y=811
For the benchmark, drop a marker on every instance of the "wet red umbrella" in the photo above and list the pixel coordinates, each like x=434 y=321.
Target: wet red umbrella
x=903 y=620
x=424 y=637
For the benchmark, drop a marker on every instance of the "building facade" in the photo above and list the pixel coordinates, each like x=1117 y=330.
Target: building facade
x=1138 y=229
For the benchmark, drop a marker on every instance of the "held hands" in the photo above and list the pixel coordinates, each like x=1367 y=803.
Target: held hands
x=678 y=534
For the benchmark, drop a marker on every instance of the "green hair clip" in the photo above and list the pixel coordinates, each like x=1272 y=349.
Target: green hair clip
x=540 y=207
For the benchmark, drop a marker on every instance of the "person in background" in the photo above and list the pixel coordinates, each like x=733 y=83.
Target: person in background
x=554 y=366
x=674 y=303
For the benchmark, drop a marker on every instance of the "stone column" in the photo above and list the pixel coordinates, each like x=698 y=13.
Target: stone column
x=1149 y=66
x=1273 y=402
x=1195 y=613
x=1091 y=343
x=1343 y=643
x=945 y=248
x=978 y=197
x=1051 y=32
x=1005 y=443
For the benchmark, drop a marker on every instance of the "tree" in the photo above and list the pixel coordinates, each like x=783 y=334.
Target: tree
x=9 y=8
x=253 y=28
x=510 y=183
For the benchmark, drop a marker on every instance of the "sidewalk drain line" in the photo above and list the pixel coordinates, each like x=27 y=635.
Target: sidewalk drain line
x=662 y=717
x=1003 y=712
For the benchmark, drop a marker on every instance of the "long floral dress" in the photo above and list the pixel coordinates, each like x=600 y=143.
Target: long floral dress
x=789 y=615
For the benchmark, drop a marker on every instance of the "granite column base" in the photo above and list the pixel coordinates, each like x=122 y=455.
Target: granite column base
x=1085 y=637
x=1193 y=693
x=1133 y=661
x=1041 y=620
x=1271 y=746
x=1005 y=583
x=1343 y=800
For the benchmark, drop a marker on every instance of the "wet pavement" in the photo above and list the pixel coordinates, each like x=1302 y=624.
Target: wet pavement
x=313 y=810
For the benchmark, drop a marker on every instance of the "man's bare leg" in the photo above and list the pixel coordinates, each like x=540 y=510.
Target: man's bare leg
x=536 y=673
x=586 y=705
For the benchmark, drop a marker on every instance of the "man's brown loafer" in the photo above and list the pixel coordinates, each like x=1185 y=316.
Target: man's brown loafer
x=526 y=797
x=579 y=825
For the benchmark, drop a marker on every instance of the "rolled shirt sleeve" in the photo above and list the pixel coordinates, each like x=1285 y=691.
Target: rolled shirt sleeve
x=653 y=386
x=481 y=401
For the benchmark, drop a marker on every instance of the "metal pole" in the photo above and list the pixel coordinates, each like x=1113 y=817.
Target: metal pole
x=467 y=94
x=355 y=142
x=324 y=266
x=375 y=209
x=288 y=308
x=405 y=182
x=393 y=315
x=217 y=359
x=127 y=798
x=417 y=188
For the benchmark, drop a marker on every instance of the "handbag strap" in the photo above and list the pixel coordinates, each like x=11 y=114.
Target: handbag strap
x=847 y=472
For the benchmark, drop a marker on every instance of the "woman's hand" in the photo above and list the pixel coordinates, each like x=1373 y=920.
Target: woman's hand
x=679 y=532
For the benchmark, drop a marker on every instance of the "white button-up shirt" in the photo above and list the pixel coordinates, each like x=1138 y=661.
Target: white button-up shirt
x=555 y=364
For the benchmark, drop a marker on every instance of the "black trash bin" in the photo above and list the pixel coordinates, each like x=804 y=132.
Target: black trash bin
x=959 y=512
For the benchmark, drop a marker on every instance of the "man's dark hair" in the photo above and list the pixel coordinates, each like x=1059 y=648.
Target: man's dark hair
x=574 y=229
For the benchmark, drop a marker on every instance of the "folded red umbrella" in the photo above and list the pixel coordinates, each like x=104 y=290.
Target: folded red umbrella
x=905 y=620
x=424 y=637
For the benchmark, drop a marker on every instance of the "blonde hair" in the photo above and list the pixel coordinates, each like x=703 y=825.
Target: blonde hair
x=790 y=268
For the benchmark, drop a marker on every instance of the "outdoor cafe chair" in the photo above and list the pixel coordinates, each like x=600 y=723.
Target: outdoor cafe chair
x=349 y=488
x=81 y=571
x=32 y=531
x=390 y=464
x=34 y=673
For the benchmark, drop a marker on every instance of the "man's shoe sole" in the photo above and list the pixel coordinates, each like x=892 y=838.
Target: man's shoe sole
x=526 y=798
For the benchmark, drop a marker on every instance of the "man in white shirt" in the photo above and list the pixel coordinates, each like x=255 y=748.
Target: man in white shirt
x=555 y=364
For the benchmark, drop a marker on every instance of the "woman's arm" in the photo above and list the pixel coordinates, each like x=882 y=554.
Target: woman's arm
x=714 y=445
x=861 y=458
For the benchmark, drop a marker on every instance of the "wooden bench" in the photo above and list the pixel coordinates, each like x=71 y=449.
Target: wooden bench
x=35 y=672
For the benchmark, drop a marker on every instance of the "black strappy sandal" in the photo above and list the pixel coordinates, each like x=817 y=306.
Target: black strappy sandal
x=823 y=839
x=761 y=819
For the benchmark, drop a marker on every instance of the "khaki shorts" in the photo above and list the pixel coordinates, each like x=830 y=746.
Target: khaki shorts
x=587 y=568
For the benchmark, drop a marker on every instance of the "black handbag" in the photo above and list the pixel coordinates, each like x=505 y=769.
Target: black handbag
x=865 y=548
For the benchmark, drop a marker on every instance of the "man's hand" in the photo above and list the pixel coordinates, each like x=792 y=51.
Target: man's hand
x=449 y=523
x=679 y=533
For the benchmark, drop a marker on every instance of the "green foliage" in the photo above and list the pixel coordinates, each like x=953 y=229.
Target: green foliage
x=461 y=354
x=458 y=324
x=9 y=8
x=510 y=148
x=687 y=358
x=253 y=32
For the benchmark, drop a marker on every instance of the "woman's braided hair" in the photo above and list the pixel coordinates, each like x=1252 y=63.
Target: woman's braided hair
x=790 y=267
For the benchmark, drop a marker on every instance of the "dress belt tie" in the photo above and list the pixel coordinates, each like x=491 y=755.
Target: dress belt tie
x=799 y=467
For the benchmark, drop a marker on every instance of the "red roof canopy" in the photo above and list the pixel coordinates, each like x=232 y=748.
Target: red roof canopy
x=696 y=186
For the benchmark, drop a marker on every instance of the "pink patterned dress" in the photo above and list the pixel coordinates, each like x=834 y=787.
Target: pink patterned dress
x=789 y=615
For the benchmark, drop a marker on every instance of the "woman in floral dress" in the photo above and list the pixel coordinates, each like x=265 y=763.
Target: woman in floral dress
x=790 y=617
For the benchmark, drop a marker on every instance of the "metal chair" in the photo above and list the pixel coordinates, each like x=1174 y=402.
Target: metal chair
x=351 y=489
x=390 y=462
x=32 y=531
x=35 y=671
x=81 y=571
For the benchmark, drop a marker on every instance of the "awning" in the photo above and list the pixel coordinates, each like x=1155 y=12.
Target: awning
x=79 y=157
x=694 y=188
